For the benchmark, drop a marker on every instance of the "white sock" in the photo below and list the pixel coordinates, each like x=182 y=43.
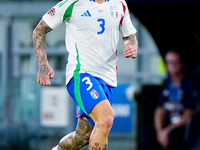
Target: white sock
x=55 y=148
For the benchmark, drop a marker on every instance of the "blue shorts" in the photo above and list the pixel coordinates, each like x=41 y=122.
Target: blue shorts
x=87 y=91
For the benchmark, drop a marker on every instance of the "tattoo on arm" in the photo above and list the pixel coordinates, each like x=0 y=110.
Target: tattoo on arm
x=131 y=40
x=44 y=70
x=40 y=45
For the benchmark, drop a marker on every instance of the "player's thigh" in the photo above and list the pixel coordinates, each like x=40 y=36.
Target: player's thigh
x=87 y=91
x=102 y=112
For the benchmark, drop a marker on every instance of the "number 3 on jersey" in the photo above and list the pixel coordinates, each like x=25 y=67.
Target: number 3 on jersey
x=102 y=25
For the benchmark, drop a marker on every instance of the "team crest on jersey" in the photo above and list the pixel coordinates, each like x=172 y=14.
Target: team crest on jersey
x=94 y=94
x=51 y=12
x=114 y=11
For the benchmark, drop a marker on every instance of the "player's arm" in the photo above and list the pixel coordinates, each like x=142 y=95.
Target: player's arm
x=187 y=114
x=161 y=133
x=45 y=71
x=131 y=46
x=159 y=116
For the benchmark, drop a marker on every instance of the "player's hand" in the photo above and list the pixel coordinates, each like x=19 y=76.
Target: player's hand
x=45 y=74
x=130 y=51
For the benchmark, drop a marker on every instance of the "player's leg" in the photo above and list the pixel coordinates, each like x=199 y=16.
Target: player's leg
x=103 y=116
x=77 y=139
x=91 y=94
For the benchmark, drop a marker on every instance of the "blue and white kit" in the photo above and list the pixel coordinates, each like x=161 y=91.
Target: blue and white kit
x=92 y=34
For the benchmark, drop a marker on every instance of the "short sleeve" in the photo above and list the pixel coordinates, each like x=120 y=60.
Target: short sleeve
x=189 y=99
x=126 y=26
x=160 y=99
x=59 y=13
x=164 y=93
x=189 y=93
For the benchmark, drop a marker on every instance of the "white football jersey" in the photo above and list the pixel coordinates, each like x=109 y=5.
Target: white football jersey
x=92 y=34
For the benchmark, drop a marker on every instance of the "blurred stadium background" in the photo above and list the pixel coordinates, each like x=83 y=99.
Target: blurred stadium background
x=33 y=117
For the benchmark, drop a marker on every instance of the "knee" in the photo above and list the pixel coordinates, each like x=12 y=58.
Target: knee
x=105 y=124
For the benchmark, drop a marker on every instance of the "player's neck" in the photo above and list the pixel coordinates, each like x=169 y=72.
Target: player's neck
x=99 y=1
x=177 y=79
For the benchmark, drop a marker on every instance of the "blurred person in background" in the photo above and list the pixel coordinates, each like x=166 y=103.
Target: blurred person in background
x=174 y=110
x=92 y=33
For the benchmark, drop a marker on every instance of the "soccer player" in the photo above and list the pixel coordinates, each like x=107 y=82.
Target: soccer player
x=92 y=33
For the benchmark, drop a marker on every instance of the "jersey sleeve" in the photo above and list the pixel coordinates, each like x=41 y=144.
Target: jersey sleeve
x=59 y=13
x=126 y=26
x=163 y=93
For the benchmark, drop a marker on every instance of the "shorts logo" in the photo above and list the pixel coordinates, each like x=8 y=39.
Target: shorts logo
x=94 y=94
x=114 y=12
x=51 y=12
